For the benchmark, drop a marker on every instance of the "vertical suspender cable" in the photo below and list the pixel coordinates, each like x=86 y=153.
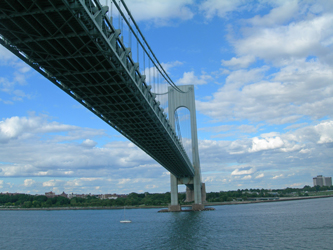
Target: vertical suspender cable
x=119 y=19
x=137 y=51
x=129 y=35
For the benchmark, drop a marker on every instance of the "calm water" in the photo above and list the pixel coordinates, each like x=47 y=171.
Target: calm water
x=305 y=224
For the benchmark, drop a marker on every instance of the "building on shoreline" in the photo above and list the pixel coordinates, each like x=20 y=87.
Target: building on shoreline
x=321 y=180
x=109 y=196
x=50 y=194
x=11 y=194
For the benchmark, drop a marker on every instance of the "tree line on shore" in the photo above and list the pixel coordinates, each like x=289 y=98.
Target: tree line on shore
x=146 y=199
x=39 y=201
x=253 y=193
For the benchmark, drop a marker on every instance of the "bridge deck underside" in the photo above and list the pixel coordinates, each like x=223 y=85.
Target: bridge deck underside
x=52 y=37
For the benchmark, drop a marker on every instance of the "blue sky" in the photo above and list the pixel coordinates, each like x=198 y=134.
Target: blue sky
x=262 y=72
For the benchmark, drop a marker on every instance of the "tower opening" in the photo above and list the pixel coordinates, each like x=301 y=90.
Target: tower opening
x=183 y=129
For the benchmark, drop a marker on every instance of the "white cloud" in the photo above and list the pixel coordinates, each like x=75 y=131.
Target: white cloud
x=277 y=176
x=210 y=8
x=277 y=16
x=243 y=171
x=286 y=39
x=190 y=78
x=260 y=176
x=29 y=182
x=247 y=128
x=265 y=143
x=240 y=62
x=303 y=88
x=1 y=183
x=93 y=167
x=27 y=153
x=89 y=143
x=6 y=85
x=160 y=12
x=90 y=179
x=325 y=130
x=295 y=40
x=15 y=127
x=51 y=183
x=305 y=151
x=217 y=129
x=242 y=77
x=296 y=151
x=170 y=65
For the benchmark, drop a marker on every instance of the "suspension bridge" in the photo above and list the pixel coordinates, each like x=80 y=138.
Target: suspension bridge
x=95 y=52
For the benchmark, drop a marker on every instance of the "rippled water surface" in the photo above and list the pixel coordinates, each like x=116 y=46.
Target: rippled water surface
x=303 y=224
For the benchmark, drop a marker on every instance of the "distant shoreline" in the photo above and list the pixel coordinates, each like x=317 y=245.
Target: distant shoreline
x=261 y=201
x=145 y=207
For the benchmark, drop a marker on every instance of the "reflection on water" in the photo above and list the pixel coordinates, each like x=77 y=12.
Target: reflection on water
x=304 y=224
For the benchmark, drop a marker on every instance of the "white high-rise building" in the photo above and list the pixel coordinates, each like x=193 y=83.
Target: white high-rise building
x=322 y=181
x=328 y=181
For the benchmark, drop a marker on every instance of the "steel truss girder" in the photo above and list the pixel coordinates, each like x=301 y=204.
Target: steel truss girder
x=53 y=44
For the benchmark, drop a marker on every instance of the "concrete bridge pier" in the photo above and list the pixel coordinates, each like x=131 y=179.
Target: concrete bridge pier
x=174 y=206
x=190 y=193
x=196 y=193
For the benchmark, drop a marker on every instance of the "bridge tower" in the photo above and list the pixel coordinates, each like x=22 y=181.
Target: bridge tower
x=195 y=189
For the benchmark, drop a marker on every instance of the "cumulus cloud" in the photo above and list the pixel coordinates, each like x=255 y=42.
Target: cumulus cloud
x=247 y=177
x=191 y=78
x=266 y=143
x=260 y=176
x=240 y=62
x=277 y=176
x=300 y=89
x=300 y=40
x=50 y=183
x=217 y=129
x=296 y=150
x=243 y=171
x=15 y=127
x=325 y=131
x=284 y=11
x=284 y=34
x=210 y=8
x=160 y=12
x=119 y=164
x=27 y=153
x=296 y=48
x=170 y=65
x=29 y=182
x=95 y=185
x=89 y=143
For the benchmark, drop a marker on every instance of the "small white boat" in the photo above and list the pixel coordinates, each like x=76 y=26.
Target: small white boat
x=125 y=220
